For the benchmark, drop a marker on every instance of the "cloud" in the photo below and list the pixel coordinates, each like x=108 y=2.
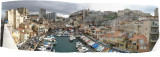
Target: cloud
x=116 y=7
x=145 y=8
x=67 y=8
x=50 y=6
x=106 y=7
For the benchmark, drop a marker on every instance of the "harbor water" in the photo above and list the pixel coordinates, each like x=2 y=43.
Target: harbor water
x=64 y=45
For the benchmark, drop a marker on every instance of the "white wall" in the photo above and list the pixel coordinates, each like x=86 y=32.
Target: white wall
x=8 y=40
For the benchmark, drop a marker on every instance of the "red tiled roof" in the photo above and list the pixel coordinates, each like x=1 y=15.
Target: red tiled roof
x=115 y=34
x=108 y=34
x=136 y=37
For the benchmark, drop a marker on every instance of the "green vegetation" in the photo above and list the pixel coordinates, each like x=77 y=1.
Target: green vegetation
x=111 y=16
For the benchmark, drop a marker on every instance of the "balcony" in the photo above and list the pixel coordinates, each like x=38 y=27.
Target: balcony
x=153 y=40
x=154 y=25
x=154 y=32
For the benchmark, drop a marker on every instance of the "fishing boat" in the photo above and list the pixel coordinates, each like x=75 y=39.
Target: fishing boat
x=82 y=49
x=78 y=44
x=42 y=48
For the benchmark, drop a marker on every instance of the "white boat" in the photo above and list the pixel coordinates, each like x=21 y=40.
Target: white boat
x=59 y=34
x=78 y=44
x=42 y=48
x=83 y=49
x=72 y=38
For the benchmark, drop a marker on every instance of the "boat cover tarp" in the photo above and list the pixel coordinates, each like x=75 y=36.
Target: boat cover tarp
x=110 y=51
x=95 y=45
x=86 y=39
x=45 y=42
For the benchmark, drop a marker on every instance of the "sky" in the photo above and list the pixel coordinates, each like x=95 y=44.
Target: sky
x=66 y=8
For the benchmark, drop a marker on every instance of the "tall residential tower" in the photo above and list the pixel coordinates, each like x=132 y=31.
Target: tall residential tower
x=42 y=13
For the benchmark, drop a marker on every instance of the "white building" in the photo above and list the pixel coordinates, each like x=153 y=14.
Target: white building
x=51 y=16
x=8 y=41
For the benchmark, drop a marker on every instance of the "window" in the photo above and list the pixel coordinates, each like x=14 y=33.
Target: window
x=154 y=29
x=145 y=47
x=153 y=23
x=121 y=45
x=134 y=43
x=141 y=41
x=118 y=44
x=141 y=47
x=154 y=37
x=130 y=41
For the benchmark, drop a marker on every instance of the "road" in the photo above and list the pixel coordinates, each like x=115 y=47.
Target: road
x=27 y=45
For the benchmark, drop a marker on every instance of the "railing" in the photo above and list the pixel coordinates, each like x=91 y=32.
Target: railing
x=153 y=40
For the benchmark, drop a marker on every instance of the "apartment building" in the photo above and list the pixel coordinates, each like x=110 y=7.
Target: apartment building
x=51 y=16
x=138 y=43
x=42 y=13
x=150 y=30
x=14 y=19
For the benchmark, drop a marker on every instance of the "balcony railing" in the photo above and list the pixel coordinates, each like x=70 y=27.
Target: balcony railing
x=154 y=25
x=154 y=32
x=153 y=40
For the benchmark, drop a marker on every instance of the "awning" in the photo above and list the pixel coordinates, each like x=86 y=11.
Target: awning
x=45 y=42
x=51 y=36
x=86 y=39
x=110 y=51
x=95 y=45
x=90 y=43
x=120 y=50
x=100 y=48
x=82 y=36
x=48 y=36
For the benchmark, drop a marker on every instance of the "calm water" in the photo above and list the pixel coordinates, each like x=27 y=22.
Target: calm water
x=64 y=45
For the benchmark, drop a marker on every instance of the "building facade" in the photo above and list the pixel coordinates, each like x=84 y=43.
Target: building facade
x=51 y=16
x=14 y=18
x=150 y=31
x=42 y=13
x=23 y=11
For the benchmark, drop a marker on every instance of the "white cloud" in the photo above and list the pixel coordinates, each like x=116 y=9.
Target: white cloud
x=116 y=7
x=106 y=7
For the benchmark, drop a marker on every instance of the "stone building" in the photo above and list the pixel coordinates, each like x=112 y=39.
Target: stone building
x=150 y=30
x=23 y=11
